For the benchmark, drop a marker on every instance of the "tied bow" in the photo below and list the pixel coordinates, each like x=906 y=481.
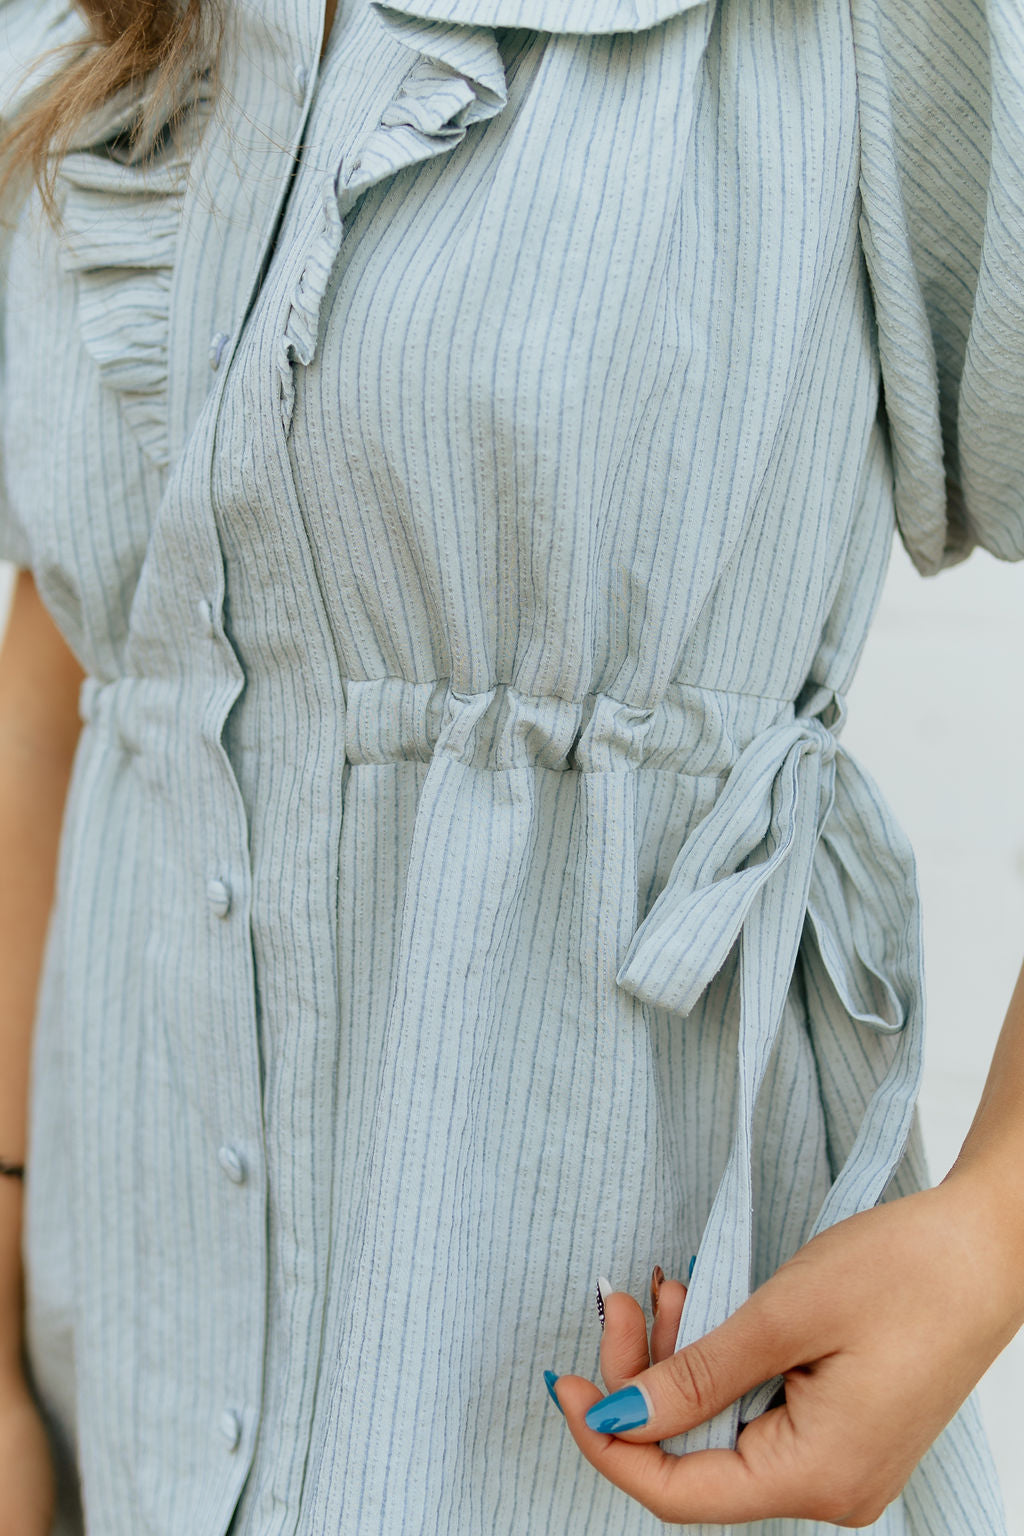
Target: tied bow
x=799 y=836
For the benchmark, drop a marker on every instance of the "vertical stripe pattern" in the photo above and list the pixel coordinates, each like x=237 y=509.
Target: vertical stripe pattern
x=458 y=466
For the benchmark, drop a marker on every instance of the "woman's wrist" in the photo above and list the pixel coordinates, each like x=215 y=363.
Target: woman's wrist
x=14 y=1383
x=11 y=1280
x=986 y=1183
x=985 y=1198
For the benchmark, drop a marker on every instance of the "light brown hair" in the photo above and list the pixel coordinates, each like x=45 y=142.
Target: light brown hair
x=152 y=46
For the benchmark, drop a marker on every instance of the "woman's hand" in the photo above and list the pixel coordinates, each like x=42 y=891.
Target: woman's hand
x=26 y=1467
x=881 y=1326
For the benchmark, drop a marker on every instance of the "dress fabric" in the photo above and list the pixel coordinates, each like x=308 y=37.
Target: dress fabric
x=469 y=525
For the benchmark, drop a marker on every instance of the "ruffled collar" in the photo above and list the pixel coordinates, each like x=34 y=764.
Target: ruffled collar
x=556 y=16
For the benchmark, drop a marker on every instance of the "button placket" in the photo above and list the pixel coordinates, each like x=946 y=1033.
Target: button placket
x=263 y=117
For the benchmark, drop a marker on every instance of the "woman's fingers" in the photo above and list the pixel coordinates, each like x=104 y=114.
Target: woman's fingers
x=624 y=1340
x=624 y=1347
x=720 y=1487
x=801 y=1460
x=880 y=1326
x=670 y=1297
x=689 y=1386
x=656 y=1394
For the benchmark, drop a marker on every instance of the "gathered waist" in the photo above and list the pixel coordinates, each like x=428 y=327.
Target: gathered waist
x=693 y=729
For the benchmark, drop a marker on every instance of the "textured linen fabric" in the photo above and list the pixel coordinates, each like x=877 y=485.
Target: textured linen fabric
x=470 y=526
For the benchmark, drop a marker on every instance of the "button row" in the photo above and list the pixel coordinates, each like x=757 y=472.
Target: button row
x=218 y=895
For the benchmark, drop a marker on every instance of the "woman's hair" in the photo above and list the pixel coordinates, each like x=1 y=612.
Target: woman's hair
x=155 y=46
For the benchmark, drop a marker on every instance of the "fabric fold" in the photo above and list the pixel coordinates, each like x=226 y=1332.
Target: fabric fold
x=799 y=839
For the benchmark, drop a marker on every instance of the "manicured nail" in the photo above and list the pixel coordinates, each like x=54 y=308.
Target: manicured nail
x=628 y=1409
x=657 y=1277
x=604 y=1288
x=689 y=1272
x=550 y=1377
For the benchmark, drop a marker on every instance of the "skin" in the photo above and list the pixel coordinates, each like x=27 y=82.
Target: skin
x=881 y=1326
x=39 y=725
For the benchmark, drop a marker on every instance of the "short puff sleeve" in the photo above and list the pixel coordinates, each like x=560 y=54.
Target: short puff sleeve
x=941 y=89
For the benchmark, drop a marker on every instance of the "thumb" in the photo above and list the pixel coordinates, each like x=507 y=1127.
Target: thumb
x=697 y=1382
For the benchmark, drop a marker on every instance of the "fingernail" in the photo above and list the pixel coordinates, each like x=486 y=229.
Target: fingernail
x=623 y=1410
x=689 y=1272
x=657 y=1277
x=550 y=1377
x=604 y=1288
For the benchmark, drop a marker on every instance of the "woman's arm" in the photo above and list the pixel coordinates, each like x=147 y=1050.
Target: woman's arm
x=881 y=1326
x=39 y=724
x=991 y=1161
x=39 y=682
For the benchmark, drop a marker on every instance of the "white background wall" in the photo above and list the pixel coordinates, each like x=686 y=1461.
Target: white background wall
x=937 y=715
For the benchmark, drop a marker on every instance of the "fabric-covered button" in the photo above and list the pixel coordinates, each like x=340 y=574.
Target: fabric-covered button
x=301 y=80
x=217 y=344
x=232 y=1164
x=205 y=613
x=218 y=894
x=230 y=1426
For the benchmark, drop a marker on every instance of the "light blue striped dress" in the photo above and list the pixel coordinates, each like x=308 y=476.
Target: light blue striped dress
x=470 y=527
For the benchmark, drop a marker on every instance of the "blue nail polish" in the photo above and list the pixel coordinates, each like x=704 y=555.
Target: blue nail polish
x=621 y=1411
x=689 y=1272
x=549 y=1381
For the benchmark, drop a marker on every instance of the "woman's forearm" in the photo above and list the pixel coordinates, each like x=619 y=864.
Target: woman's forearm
x=39 y=682
x=991 y=1161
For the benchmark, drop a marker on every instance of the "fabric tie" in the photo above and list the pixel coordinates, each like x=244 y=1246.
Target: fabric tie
x=799 y=832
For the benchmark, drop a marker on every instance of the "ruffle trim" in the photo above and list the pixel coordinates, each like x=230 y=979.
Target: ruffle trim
x=456 y=80
x=120 y=221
